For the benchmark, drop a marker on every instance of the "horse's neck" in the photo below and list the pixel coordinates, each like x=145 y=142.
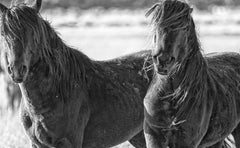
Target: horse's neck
x=194 y=68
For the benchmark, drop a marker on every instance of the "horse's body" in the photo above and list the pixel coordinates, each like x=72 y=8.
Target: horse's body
x=70 y=101
x=108 y=111
x=215 y=117
x=193 y=101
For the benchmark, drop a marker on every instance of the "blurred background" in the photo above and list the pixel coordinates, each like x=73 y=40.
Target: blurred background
x=105 y=29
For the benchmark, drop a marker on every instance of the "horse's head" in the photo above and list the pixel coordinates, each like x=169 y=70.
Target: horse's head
x=171 y=23
x=18 y=31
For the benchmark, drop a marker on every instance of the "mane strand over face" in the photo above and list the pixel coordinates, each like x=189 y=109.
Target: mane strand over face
x=174 y=15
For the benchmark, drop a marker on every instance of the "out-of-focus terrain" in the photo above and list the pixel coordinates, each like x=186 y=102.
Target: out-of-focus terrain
x=105 y=34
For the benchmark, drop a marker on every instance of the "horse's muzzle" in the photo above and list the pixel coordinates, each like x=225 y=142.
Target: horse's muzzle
x=18 y=73
x=163 y=66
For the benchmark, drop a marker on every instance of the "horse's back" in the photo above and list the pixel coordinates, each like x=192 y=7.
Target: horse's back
x=133 y=61
x=131 y=68
x=224 y=68
x=224 y=59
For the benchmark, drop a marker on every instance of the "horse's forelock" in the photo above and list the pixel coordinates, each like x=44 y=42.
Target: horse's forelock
x=171 y=14
x=17 y=21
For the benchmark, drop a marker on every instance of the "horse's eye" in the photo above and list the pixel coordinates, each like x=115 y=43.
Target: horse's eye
x=154 y=56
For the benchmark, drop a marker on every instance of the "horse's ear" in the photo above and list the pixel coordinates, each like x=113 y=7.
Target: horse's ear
x=149 y=11
x=2 y=8
x=37 y=5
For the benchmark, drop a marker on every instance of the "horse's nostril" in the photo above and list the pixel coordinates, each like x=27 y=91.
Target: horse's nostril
x=170 y=60
x=23 y=69
x=9 y=69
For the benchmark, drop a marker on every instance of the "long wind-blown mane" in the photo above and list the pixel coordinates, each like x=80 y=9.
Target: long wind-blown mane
x=175 y=15
x=65 y=64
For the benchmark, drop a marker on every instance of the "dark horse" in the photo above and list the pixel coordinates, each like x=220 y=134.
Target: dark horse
x=193 y=100
x=70 y=101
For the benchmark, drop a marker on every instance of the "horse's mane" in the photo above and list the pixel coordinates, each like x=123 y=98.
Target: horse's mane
x=66 y=64
x=193 y=69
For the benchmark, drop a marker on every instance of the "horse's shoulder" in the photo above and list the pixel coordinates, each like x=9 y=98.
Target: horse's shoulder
x=223 y=60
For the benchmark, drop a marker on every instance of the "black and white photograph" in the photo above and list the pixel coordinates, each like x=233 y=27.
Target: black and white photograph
x=120 y=74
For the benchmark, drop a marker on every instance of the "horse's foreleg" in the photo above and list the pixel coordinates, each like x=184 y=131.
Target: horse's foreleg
x=64 y=143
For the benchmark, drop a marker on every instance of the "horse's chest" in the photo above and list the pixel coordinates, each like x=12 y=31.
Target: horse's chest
x=43 y=124
x=160 y=113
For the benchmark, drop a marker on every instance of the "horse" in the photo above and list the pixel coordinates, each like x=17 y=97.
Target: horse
x=193 y=100
x=69 y=100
